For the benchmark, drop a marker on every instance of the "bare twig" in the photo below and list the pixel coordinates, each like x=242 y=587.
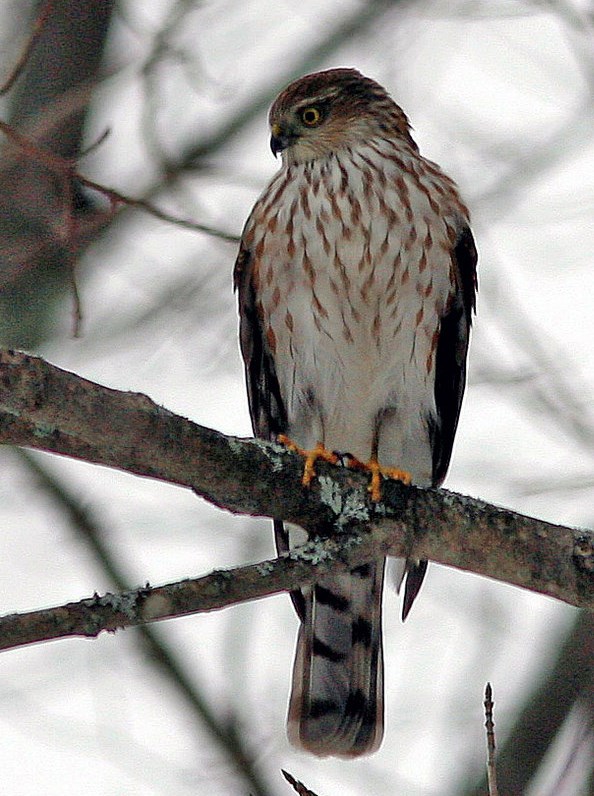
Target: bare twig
x=159 y=653
x=489 y=724
x=38 y=26
x=69 y=227
x=115 y=198
x=298 y=787
x=569 y=681
x=66 y=170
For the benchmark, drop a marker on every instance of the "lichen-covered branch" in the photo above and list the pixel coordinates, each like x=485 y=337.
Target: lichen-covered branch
x=163 y=656
x=44 y=407
x=219 y=589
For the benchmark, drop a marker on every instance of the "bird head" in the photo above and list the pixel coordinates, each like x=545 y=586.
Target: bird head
x=320 y=114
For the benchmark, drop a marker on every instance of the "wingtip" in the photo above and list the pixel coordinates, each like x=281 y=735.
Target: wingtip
x=414 y=580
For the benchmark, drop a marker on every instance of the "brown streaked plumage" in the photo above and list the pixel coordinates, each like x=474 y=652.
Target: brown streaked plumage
x=356 y=279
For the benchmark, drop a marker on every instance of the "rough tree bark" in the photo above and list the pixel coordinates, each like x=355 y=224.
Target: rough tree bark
x=44 y=407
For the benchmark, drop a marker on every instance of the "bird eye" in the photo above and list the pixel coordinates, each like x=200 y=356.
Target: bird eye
x=311 y=116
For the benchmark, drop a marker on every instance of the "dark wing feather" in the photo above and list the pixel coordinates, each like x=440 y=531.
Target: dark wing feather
x=267 y=411
x=452 y=348
x=450 y=380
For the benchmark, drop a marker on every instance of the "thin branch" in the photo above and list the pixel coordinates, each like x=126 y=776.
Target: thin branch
x=297 y=786
x=65 y=170
x=158 y=652
x=38 y=25
x=109 y=612
x=50 y=409
x=490 y=727
x=115 y=198
x=569 y=681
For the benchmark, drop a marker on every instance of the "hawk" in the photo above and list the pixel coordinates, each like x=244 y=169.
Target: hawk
x=356 y=280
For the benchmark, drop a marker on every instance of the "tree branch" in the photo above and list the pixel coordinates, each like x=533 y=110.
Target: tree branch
x=44 y=407
x=38 y=25
x=224 y=726
x=569 y=682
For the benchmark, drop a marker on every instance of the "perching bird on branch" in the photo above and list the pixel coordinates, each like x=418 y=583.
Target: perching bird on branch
x=356 y=278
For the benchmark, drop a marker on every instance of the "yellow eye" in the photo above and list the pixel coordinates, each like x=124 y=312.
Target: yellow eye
x=311 y=116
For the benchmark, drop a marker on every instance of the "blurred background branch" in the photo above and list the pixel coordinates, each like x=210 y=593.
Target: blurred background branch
x=49 y=102
x=225 y=731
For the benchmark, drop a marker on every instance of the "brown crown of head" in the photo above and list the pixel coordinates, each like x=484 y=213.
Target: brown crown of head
x=322 y=112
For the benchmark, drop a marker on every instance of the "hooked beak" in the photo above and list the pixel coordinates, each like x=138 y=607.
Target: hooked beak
x=280 y=139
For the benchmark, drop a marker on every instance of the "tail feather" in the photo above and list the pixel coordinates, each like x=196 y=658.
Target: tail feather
x=336 y=705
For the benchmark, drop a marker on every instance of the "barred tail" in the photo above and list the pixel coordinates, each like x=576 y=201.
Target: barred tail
x=336 y=705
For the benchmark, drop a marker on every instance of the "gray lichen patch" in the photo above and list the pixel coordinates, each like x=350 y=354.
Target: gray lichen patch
x=273 y=451
x=125 y=603
x=314 y=552
x=265 y=568
x=347 y=506
x=43 y=430
x=235 y=445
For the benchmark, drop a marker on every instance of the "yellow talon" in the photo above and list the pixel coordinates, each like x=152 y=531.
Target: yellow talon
x=377 y=471
x=287 y=442
x=310 y=456
x=375 y=485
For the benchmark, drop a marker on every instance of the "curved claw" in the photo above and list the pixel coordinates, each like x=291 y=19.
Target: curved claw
x=311 y=456
x=377 y=472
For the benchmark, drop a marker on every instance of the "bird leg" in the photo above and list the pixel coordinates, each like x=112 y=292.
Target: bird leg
x=377 y=470
x=310 y=456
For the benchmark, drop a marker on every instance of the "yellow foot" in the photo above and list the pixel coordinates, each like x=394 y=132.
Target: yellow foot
x=310 y=456
x=377 y=472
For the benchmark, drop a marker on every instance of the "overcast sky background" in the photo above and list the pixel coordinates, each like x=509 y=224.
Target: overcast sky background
x=500 y=95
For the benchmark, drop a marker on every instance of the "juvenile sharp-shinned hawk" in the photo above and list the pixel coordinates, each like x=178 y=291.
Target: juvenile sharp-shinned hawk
x=356 y=278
